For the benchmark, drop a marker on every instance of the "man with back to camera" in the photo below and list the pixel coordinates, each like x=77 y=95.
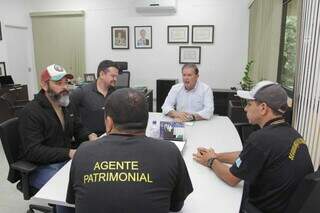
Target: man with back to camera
x=273 y=161
x=90 y=99
x=126 y=171
x=191 y=100
x=48 y=124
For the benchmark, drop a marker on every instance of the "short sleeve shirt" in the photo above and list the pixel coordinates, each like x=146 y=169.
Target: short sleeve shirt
x=272 y=164
x=128 y=174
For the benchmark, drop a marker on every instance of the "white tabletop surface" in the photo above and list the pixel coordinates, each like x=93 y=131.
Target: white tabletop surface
x=210 y=193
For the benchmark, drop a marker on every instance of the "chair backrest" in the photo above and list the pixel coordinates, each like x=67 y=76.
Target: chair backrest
x=11 y=141
x=122 y=65
x=6 y=111
x=6 y=80
x=306 y=198
x=9 y=97
x=123 y=80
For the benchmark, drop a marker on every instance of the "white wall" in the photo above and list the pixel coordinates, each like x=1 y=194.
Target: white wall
x=222 y=63
x=16 y=30
x=11 y=12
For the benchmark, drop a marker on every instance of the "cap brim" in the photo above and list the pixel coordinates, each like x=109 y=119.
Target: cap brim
x=58 y=78
x=245 y=95
x=69 y=76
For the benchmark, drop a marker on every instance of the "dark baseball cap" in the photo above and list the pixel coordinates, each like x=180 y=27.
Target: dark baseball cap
x=268 y=92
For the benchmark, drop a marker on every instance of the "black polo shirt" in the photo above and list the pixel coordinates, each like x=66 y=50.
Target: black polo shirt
x=122 y=174
x=272 y=164
x=90 y=104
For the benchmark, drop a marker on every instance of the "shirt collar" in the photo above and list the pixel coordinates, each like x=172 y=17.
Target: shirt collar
x=278 y=120
x=94 y=87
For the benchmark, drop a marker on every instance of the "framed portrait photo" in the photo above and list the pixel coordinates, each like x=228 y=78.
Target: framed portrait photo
x=3 y=71
x=120 y=37
x=143 y=37
x=0 y=32
x=178 y=34
x=202 y=33
x=189 y=55
x=89 y=77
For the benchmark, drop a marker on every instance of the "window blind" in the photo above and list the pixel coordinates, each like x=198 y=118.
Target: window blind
x=307 y=83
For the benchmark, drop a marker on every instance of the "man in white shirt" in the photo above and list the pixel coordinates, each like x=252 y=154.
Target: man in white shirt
x=191 y=100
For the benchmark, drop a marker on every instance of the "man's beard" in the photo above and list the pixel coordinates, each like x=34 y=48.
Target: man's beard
x=62 y=98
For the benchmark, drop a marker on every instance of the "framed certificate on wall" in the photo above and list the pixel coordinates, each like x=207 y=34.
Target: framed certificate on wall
x=202 y=33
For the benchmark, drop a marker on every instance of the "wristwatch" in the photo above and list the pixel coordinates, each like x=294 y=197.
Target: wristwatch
x=193 y=117
x=210 y=162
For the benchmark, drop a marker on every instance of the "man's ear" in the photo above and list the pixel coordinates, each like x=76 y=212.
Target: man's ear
x=109 y=124
x=44 y=85
x=263 y=108
x=100 y=74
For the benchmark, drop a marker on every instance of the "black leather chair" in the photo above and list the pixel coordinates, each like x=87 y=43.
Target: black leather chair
x=19 y=170
x=306 y=198
x=123 y=80
x=15 y=105
x=6 y=111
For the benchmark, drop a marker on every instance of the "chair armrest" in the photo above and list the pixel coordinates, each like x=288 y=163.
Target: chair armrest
x=23 y=166
x=21 y=102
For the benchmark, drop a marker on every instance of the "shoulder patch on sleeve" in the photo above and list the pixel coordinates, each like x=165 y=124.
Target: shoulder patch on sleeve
x=238 y=162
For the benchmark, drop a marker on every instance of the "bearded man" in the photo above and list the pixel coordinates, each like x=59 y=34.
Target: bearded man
x=49 y=129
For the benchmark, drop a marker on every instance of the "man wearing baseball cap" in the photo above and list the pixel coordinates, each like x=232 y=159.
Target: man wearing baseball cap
x=90 y=99
x=48 y=125
x=273 y=161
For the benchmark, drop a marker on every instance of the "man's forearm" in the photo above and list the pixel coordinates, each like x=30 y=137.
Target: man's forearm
x=223 y=172
x=228 y=157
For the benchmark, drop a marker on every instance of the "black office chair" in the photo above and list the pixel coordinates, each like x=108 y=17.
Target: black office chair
x=14 y=104
x=19 y=170
x=306 y=198
x=6 y=111
x=123 y=80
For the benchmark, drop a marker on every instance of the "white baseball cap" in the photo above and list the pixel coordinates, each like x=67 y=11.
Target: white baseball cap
x=268 y=92
x=250 y=95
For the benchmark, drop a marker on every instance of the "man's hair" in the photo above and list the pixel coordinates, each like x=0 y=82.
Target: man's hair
x=104 y=65
x=128 y=109
x=191 y=66
x=275 y=112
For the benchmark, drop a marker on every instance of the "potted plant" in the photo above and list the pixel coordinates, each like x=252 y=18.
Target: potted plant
x=247 y=83
x=236 y=106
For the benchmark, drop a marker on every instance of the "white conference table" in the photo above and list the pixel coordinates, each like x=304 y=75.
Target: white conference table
x=210 y=193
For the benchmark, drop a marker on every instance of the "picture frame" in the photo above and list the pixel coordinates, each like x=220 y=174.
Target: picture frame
x=89 y=77
x=143 y=37
x=3 y=71
x=0 y=32
x=202 y=34
x=178 y=34
x=189 y=55
x=120 y=37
